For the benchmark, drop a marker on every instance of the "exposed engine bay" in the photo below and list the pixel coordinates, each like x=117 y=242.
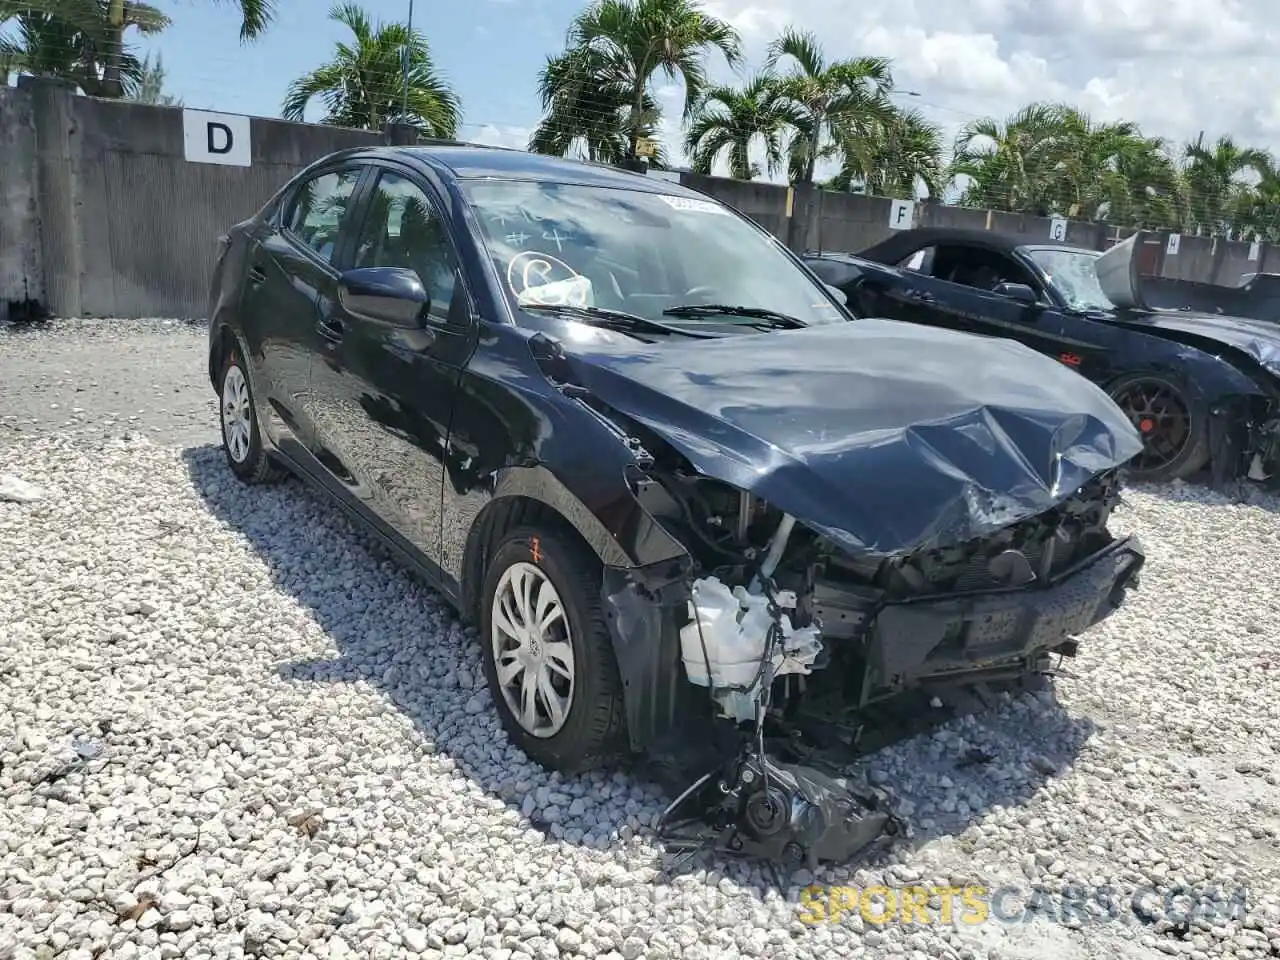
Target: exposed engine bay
x=796 y=643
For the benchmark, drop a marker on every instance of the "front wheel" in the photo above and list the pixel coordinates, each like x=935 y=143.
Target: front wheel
x=1174 y=427
x=547 y=654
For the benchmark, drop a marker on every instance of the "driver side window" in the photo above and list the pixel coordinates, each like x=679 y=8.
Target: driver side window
x=978 y=268
x=402 y=228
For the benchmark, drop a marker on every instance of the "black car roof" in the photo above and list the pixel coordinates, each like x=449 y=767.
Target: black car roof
x=904 y=242
x=463 y=161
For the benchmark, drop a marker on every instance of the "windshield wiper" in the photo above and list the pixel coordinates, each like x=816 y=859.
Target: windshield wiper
x=616 y=319
x=771 y=318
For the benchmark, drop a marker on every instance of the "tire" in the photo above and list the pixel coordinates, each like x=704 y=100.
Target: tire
x=593 y=729
x=1194 y=452
x=248 y=460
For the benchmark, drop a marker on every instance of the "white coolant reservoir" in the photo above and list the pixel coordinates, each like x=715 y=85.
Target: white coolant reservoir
x=714 y=611
x=734 y=629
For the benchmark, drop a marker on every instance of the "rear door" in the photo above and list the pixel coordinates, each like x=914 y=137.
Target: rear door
x=390 y=391
x=290 y=273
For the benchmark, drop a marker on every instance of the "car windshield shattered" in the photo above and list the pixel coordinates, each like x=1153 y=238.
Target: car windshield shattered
x=1072 y=274
x=669 y=260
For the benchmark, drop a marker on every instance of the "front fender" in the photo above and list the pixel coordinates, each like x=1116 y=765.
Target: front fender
x=619 y=530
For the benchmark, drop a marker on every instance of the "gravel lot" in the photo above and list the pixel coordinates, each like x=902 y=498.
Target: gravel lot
x=227 y=728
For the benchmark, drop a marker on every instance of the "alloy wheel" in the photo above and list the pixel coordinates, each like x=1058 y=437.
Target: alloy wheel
x=1162 y=419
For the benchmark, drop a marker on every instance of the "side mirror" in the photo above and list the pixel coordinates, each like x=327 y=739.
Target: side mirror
x=842 y=298
x=394 y=295
x=1017 y=291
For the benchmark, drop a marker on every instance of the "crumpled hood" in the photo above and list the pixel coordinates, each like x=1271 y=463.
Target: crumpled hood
x=884 y=436
x=1260 y=339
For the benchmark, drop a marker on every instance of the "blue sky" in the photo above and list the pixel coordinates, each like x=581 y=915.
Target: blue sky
x=490 y=50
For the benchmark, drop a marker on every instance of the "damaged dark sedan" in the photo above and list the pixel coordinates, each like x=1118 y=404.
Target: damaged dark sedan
x=696 y=509
x=1202 y=388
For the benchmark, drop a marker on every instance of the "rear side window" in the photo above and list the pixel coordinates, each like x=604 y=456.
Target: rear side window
x=318 y=209
x=920 y=261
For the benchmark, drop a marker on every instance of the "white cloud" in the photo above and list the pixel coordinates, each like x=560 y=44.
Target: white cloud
x=1175 y=66
x=492 y=135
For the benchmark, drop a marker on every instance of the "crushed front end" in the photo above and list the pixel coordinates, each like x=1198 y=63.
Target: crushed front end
x=789 y=655
x=1244 y=440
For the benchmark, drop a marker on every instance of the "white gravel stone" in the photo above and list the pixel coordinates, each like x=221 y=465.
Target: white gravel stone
x=295 y=755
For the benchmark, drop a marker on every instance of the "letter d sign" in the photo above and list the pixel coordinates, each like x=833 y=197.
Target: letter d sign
x=221 y=138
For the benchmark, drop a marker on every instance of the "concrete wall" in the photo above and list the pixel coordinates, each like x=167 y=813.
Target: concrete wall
x=21 y=268
x=102 y=215
x=122 y=225
x=849 y=223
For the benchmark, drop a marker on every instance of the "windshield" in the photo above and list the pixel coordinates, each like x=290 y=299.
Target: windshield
x=641 y=253
x=1072 y=274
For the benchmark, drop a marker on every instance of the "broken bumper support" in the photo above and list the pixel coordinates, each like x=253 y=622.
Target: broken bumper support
x=914 y=642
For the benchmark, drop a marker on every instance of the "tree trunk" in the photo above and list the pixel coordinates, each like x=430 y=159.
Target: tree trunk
x=741 y=160
x=798 y=235
x=114 y=53
x=633 y=153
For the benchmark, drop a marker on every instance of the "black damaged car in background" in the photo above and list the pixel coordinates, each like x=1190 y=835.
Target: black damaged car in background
x=696 y=510
x=1202 y=388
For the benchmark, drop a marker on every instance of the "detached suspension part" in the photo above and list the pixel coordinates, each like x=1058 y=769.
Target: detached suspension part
x=789 y=814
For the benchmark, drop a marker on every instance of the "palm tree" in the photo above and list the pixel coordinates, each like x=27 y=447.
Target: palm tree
x=72 y=40
x=151 y=84
x=833 y=102
x=834 y=105
x=894 y=158
x=1212 y=175
x=729 y=119
x=617 y=46
x=1009 y=162
x=102 y=25
x=586 y=112
x=363 y=86
x=1257 y=211
x=1145 y=189
x=255 y=15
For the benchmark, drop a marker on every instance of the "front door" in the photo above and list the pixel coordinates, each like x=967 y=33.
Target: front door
x=392 y=390
x=963 y=297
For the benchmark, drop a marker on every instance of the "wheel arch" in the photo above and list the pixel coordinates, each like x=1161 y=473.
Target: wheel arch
x=221 y=340
x=1215 y=371
x=530 y=494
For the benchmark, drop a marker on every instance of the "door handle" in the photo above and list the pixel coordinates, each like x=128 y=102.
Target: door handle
x=329 y=328
x=257 y=276
x=918 y=296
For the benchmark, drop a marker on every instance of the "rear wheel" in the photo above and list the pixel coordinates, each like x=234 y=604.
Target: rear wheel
x=1174 y=427
x=241 y=439
x=547 y=653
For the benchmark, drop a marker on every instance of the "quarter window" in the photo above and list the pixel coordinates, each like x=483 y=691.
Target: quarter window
x=318 y=209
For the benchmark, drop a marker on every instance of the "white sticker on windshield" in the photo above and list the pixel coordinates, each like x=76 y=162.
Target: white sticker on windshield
x=574 y=292
x=690 y=205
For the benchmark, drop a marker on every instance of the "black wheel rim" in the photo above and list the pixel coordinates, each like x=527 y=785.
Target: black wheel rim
x=1161 y=417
